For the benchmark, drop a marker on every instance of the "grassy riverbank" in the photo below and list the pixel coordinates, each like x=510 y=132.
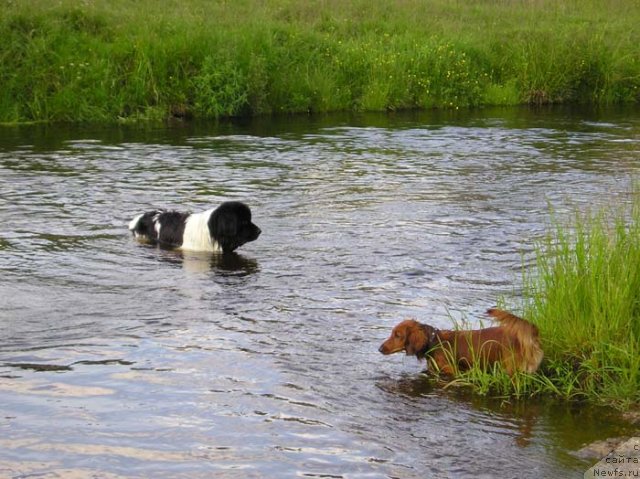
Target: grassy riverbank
x=122 y=59
x=584 y=295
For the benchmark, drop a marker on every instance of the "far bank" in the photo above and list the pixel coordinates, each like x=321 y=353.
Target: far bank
x=114 y=61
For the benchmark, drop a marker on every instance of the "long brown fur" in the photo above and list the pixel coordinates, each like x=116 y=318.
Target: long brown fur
x=514 y=343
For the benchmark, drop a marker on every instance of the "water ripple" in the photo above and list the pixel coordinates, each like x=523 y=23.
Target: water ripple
x=265 y=363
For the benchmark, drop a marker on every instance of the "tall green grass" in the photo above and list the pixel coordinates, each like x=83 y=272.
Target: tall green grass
x=122 y=59
x=584 y=296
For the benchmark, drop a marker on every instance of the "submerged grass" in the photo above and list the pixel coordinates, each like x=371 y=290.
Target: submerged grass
x=584 y=296
x=104 y=60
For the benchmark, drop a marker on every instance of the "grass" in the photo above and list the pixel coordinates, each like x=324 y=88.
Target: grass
x=584 y=296
x=104 y=60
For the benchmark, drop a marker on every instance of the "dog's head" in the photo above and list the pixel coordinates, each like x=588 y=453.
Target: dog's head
x=230 y=225
x=409 y=336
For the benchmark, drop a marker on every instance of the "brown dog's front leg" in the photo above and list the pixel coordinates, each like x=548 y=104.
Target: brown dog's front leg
x=439 y=359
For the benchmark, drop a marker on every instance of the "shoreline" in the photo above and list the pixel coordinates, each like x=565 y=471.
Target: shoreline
x=117 y=62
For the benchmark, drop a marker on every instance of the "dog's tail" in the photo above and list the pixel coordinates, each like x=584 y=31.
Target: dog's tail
x=144 y=226
x=525 y=334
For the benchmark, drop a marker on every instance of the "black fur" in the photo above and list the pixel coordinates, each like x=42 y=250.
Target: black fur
x=229 y=226
x=172 y=225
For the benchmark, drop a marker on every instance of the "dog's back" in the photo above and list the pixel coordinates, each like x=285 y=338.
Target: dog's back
x=160 y=226
x=142 y=226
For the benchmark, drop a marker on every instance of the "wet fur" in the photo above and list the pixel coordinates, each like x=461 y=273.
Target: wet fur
x=514 y=343
x=225 y=228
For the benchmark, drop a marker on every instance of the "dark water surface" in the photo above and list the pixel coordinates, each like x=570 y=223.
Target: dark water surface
x=119 y=360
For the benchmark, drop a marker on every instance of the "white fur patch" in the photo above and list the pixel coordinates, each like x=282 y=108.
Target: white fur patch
x=134 y=222
x=196 y=233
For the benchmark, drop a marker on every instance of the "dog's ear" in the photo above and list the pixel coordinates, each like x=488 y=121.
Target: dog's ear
x=223 y=226
x=416 y=338
x=224 y=223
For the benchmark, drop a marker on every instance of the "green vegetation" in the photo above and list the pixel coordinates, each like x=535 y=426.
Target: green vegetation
x=104 y=60
x=584 y=296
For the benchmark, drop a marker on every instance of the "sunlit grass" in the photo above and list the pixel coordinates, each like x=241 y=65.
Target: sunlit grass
x=104 y=60
x=585 y=296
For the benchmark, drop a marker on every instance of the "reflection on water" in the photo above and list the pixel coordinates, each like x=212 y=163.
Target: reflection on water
x=203 y=262
x=125 y=360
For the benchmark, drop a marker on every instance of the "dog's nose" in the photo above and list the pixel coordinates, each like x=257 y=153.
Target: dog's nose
x=381 y=349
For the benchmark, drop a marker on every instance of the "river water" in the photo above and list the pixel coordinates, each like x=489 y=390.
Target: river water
x=122 y=360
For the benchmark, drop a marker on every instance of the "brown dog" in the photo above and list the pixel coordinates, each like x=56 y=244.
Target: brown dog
x=514 y=343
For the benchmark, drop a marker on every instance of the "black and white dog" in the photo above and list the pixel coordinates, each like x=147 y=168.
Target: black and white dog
x=221 y=229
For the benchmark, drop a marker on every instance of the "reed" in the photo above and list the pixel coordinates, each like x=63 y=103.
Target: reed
x=108 y=60
x=584 y=296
